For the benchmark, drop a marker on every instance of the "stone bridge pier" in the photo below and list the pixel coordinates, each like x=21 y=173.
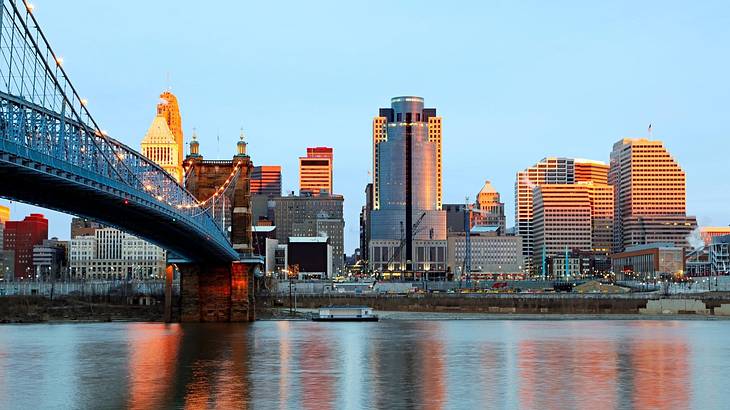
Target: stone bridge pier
x=217 y=292
x=221 y=292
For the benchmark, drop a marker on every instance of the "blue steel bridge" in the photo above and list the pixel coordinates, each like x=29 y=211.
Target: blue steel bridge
x=53 y=154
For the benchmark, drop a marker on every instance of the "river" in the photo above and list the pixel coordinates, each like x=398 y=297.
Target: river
x=461 y=364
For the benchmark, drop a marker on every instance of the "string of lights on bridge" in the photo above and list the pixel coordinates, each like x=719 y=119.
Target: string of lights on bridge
x=204 y=205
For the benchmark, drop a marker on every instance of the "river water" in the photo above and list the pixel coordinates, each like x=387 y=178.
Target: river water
x=467 y=364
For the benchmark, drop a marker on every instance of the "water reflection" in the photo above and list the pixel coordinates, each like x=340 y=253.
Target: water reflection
x=392 y=364
x=152 y=357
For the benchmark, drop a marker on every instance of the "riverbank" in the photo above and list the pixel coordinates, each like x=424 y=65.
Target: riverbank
x=35 y=309
x=527 y=304
x=306 y=314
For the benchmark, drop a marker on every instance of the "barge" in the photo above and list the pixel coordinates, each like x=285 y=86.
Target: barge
x=345 y=314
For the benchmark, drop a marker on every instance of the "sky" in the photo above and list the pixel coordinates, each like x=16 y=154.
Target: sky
x=514 y=81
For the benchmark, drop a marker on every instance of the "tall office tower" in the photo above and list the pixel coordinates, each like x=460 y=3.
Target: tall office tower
x=170 y=111
x=20 y=237
x=561 y=219
x=159 y=146
x=650 y=195
x=407 y=202
x=574 y=217
x=548 y=171
x=489 y=210
x=266 y=180
x=315 y=171
x=602 y=216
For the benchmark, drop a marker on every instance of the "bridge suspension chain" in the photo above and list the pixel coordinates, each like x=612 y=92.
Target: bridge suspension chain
x=221 y=190
x=42 y=112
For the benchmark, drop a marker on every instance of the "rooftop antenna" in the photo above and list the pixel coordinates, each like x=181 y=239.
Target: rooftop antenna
x=167 y=80
x=650 y=131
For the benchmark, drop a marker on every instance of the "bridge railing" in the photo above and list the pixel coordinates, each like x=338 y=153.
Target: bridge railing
x=41 y=112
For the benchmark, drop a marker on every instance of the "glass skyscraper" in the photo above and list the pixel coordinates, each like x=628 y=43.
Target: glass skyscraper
x=407 y=194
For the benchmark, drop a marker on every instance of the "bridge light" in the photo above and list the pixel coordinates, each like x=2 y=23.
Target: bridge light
x=84 y=101
x=59 y=60
x=29 y=7
x=126 y=202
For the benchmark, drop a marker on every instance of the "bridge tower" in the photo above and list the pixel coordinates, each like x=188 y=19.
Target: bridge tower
x=221 y=292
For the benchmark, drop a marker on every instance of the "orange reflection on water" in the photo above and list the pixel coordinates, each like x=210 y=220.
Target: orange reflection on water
x=661 y=369
x=231 y=383
x=431 y=353
x=152 y=361
x=566 y=373
x=317 y=364
x=284 y=359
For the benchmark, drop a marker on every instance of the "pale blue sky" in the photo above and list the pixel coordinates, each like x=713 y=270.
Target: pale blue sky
x=514 y=80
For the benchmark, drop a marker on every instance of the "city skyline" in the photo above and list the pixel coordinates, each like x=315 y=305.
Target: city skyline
x=480 y=125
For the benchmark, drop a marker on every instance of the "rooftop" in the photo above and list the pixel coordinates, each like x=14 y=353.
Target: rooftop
x=308 y=239
x=655 y=245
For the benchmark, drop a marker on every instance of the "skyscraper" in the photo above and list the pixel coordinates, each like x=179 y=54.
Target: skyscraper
x=407 y=196
x=315 y=171
x=266 y=180
x=168 y=109
x=20 y=237
x=548 y=171
x=589 y=174
x=159 y=146
x=650 y=195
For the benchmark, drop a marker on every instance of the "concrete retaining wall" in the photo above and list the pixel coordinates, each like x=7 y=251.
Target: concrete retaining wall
x=564 y=304
x=675 y=306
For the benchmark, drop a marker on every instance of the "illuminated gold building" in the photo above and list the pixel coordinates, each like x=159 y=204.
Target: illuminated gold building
x=170 y=111
x=4 y=214
x=650 y=195
x=159 y=146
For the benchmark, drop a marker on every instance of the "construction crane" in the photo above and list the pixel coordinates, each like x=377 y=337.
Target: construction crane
x=416 y=228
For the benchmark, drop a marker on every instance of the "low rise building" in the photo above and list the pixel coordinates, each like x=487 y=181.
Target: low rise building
x=50 y=260
x=309 y=257
x=111 y=254
x=708 y=233
x=387 y=258
x=490 y=253
x=720 y=255
x=648 y=262
x=276 y=259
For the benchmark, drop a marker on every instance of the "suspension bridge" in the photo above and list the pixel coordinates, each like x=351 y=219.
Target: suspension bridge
x=54 y=154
